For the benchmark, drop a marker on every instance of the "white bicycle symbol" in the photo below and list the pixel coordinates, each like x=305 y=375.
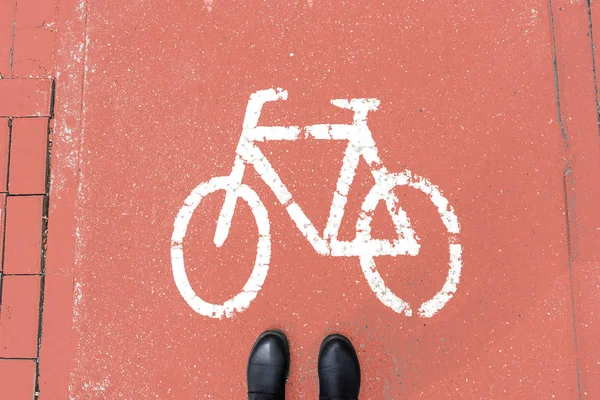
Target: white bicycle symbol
x=360 y=144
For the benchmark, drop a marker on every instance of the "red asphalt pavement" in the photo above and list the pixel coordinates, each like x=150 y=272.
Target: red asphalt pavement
x=496 y=104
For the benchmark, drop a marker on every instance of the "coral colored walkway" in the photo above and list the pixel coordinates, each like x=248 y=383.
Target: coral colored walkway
x=112 y=112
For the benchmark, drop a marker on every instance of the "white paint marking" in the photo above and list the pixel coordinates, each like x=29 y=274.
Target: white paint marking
x=242 y=300
x=208 y=4
x=360 y=144
x=435 y=304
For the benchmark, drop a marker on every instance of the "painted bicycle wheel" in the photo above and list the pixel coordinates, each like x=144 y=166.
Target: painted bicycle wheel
x=242 y=300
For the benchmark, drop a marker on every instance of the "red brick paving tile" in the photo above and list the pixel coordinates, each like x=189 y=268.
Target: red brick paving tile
x=17 y=379
x=58 y=318
x=33 y=53
x=28 y=156
x=578 y=108
x=7 y=16
x=595 y=20
x=34 y=13
x=34 y=39
x=22 y=251
x=19 y=316
x=2 y=219
x=4 y=142
x=25 y=97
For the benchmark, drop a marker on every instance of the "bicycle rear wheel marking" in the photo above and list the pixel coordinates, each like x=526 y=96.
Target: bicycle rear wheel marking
x=242 y=300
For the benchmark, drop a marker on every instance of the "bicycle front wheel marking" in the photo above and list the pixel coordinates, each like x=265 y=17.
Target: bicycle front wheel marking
x=242 y=300
x=450 y=221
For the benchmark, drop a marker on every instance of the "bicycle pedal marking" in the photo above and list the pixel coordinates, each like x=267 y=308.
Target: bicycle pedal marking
x=360 y=144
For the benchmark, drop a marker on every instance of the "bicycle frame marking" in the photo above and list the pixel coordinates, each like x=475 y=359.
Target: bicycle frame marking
x=360 y=144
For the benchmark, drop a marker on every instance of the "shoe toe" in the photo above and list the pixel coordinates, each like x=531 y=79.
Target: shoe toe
x=339 y=369
x=270 y=349
x=268 y=365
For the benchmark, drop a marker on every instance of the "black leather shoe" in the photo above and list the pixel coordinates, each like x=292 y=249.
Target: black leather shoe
x=268 y=367
x=339 y=370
